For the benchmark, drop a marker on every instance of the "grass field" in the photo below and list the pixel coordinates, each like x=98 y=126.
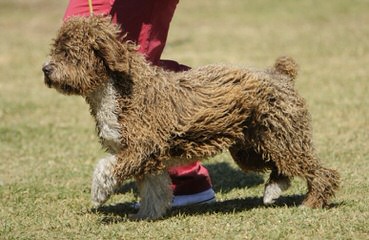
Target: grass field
x=48 y=146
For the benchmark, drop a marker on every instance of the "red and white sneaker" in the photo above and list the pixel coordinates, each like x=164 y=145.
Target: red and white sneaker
x=205 y=197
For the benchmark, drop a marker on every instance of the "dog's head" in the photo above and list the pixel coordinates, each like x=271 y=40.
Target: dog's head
x=85 y=54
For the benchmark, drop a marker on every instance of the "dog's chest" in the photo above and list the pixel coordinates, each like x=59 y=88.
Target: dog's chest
x=106 y=111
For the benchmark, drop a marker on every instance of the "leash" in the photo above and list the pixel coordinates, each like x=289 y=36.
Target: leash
x=90 y=7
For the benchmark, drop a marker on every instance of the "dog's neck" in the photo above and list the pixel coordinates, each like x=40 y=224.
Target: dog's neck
x=104 y=108
x=135 y=70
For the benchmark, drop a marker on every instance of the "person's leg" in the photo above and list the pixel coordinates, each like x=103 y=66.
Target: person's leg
x=81 y=8
x=147 y=23
x=172 y=65
x=191 y=184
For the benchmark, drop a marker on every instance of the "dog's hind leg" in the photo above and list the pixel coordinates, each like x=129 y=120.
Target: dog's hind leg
x=103 y=181
x=322 y=184
x=276 y=184
x=249 y=160
x=156 y=195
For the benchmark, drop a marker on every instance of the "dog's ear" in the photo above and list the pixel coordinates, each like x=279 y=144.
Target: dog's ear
x=115 y=57
x=107 y=46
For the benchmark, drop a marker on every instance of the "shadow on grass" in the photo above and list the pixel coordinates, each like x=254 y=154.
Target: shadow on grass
x=236 y=205
x=120 y=212
x=225 y=178
x=111 y=214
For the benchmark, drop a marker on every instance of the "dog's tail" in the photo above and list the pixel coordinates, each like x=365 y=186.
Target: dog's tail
x=286 y=66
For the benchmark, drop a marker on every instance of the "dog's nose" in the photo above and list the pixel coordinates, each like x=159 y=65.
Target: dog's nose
x=47 y=69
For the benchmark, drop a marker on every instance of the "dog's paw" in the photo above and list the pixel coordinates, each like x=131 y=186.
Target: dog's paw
x=274 y=190
x=271 y=193
x=103 y=181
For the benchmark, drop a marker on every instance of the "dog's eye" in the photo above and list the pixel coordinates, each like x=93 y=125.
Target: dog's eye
x=64 y=54
x=61 y=53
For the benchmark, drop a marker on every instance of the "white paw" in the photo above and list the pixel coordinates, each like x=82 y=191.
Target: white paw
x=103 y=181
x=273 y=191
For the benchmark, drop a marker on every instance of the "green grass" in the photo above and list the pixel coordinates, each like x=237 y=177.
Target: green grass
x=48 y=147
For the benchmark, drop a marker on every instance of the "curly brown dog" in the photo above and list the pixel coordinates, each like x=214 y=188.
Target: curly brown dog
x=150 y=119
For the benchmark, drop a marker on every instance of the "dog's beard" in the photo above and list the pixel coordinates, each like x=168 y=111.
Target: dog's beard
x=62 y=87
x=48 y=81
x=69 y=90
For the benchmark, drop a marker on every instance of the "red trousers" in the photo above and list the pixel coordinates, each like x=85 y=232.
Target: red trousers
x=146 y=22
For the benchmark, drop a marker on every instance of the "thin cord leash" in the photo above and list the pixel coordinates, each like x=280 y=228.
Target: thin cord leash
x=90 y=7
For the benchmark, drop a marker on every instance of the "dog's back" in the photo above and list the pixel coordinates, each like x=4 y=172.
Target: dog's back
x=229 y=98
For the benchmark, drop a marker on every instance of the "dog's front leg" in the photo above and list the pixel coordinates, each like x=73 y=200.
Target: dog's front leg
x=103 y=181
x=156 y=195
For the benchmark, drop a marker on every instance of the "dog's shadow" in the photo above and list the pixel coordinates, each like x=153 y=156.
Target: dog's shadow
x=121 y=212
x=225 y=178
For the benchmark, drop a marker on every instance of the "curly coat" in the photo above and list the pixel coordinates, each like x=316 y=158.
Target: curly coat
x=150 y=119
